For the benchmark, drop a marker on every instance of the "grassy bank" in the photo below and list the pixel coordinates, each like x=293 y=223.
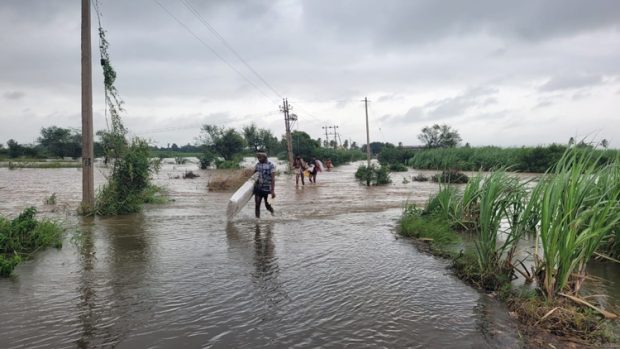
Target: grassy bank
x=572 y=211
x=24 y=235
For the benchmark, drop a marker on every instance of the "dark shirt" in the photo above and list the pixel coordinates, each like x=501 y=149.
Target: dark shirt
x=264 y=175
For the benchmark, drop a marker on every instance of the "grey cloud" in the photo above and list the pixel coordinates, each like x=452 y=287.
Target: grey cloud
x=458 y=105
x=568 y=82
x=449 y=107
x=389 y=98
x=342 y=103
x=396 y=23
x=543 y=104
x=14 y=95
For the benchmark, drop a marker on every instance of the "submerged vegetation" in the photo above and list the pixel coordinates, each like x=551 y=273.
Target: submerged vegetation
x=375 y=175
x=572 y=211
x=24 y=235
x=229 y=179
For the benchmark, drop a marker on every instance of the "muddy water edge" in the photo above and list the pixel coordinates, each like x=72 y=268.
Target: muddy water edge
x=328 y=270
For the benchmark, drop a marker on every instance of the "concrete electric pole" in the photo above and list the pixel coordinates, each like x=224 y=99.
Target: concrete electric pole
x=285 y=108
x=88 y=181
x=367 y=139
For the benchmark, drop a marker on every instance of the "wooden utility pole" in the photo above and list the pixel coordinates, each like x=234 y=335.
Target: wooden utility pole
x=88 y=179
x=367 y=139
x=287 y=123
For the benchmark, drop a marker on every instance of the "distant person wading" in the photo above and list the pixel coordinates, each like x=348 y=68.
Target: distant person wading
x=300 y=166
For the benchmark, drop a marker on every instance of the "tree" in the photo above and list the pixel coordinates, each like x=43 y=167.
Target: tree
x=223 y=142
x=439 y=136
x=604 y=143
x=230 y=144
x=250 y=133
x=268 y=141
x=60 y=142
x=15 y=149
x=303 y=144
x=375 y=147
x=346 y=144
x=260 y=139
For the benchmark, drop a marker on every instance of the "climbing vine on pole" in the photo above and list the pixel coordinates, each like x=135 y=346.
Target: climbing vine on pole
x=129 y=184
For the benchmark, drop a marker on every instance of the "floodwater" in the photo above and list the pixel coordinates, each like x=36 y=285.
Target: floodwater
x=328 y=270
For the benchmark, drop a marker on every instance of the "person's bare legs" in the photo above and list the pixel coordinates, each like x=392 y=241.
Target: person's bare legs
x=257 y=200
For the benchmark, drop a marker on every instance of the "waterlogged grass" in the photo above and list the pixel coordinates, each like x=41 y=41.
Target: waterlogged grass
x=573 y=211
x=24 y=235
x=433 y=228
x=224 y=180
x=578 y=209
x=40 y=164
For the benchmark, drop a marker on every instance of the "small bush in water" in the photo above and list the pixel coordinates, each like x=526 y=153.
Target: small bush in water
x=420 y=178
x=451 y=176
x=376 y=175
x=24 y=235
x=128 y=186
x=398 y=168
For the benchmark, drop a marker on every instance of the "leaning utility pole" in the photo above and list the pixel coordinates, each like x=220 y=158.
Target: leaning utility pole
x=88 y=181
x=367 y=139
x=287 y=123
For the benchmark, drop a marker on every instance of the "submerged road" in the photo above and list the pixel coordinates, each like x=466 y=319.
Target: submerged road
x=328 y=270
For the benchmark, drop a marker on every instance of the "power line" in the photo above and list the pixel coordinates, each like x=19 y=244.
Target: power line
x=213 y=51
x=197 y=14
x=214 y=31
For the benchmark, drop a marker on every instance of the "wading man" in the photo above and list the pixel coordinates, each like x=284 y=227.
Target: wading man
x=265 y=184
x=300 y=166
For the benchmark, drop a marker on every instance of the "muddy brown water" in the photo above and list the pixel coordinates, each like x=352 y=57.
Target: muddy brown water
x=328 y=270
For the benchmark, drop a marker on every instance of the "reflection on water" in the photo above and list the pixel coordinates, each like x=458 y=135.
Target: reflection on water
x=326 y=271
x=86 y=306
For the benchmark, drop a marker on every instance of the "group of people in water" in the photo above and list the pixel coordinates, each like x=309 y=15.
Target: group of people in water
x=301 y=167
x=265 y=183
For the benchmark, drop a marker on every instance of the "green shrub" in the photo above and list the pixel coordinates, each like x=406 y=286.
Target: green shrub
x=398 y=167
x=24 y=235
x=228 y=164
x=451 y=176
x=127 y=186
x=375 y=175
x=206 y=159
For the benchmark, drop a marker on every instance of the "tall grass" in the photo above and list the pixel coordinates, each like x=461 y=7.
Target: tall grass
x=499 y=199
x=578 y=208
x=524 y=159
x=444 y=203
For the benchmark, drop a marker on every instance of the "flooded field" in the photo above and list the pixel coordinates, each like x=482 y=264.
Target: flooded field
x=328 y=270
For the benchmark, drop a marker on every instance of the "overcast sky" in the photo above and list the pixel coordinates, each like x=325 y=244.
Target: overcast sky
x=506 y=73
